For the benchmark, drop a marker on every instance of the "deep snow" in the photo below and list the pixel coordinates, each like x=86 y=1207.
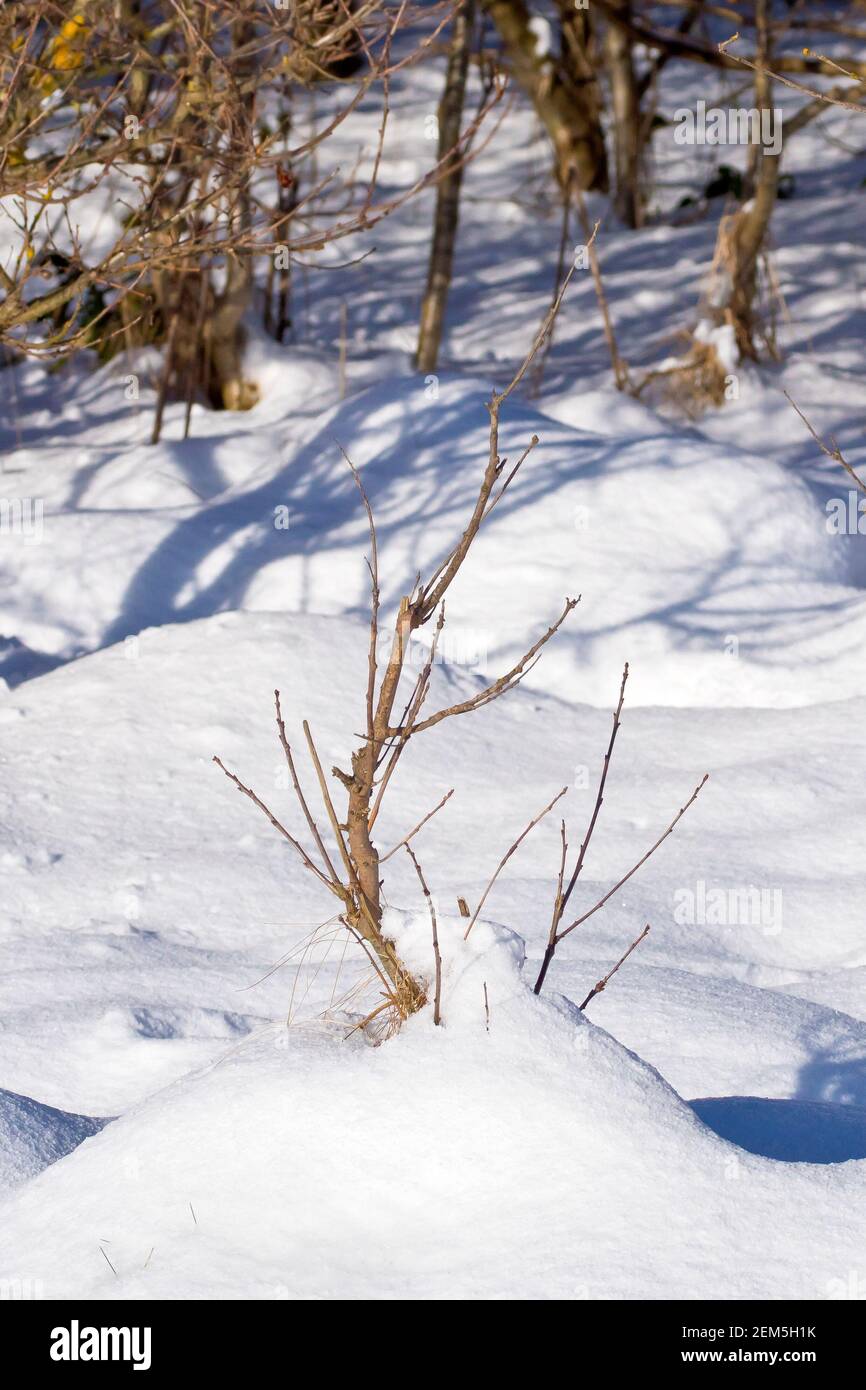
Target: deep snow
x=468 y=1160
x=126 y=970
x=700 y=1131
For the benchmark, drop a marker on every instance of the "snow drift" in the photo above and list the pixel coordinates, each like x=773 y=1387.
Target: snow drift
x=524 y=1156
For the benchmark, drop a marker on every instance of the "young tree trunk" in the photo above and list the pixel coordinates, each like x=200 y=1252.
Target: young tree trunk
x=568 y=110
x=447 y=192
x=628 y=130
x=367 y=919
x=749 y=227
x=227 y=387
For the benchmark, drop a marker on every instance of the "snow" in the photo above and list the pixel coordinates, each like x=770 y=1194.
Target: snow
x=542 y=34
x=477 y=1145
x=129 y=987
x=33 y=1136
x=741 y=604
x=187 y=1111
x=723 y=339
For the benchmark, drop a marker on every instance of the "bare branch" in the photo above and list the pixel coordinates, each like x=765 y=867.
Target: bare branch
x=419 y=826
x=374 y=598
x=780 y=63
x=437 y=998
x=562 y=896
x=500 y=686
x=505 y=858
x=329 y=805
x=834 y=453
x=314 y=830
x=247 y=791
x=625 y=878
x=599 y=796
x=597 y=989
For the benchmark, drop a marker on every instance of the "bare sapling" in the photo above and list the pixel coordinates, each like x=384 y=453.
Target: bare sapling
x=344 y=855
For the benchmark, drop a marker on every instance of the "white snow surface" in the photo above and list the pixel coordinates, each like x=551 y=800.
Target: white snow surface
x=130 y=988
x=730 y=588
x=185 y=1112
x=486 y=1158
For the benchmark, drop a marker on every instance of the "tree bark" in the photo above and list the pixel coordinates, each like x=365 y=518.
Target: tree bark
x=751 y=224
x=629 y=199
x=447 y=192
x=227 y=387
x=567 y=109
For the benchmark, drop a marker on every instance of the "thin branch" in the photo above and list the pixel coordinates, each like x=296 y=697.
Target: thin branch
x=680 y=813
x=373 y=564
x=419 y=826
x=620 y=369
x=329 y=805
x=599 y=796
x=596 y=989
x=434 y=591
x=560 y=878
x=695 y=50
x=787 y=81
x=437 y=997
x=835 y=453
x=308 y=862
x=560 y=902
x=314 y=829
x=505 y=858
x=500 y=686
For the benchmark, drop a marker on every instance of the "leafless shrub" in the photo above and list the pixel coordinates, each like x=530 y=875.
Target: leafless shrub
x=349 y=867
x=357 y=883
x=190 y=114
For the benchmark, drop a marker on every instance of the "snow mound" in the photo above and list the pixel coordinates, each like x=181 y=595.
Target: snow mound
x=32 y=1136
x=468 y=1161
x=120 y=973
